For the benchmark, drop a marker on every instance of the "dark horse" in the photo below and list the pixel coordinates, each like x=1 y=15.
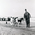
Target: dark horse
x=20 y=20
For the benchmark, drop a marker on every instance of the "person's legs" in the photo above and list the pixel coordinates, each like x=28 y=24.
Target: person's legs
x=29 y=23
x=26 y=24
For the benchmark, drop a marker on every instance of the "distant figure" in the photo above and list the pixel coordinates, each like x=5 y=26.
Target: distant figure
x=9 y=19
x=3 y=19
x=27 y=18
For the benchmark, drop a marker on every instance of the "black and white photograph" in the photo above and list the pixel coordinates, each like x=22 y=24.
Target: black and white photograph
x=17 y=17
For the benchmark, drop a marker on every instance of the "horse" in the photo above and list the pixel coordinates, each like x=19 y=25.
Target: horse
x=20 y=20
x=14 y=20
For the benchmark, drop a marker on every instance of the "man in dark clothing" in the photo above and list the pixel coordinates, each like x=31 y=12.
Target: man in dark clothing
x=27 y=18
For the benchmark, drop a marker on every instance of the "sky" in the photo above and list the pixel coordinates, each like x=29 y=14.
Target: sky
x=16 y=8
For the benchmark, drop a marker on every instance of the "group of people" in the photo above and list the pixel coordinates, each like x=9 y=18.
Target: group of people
x=27 y=17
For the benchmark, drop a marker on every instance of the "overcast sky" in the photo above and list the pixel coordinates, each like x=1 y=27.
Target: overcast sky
x=16 y=7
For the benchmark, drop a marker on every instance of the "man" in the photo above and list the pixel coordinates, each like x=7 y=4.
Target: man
x=27 y=18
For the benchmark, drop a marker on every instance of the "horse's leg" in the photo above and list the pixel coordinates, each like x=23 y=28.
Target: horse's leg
x=6 y=22
x=20 y=22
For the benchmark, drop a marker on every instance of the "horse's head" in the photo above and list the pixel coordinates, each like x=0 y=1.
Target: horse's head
x=22 y=19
